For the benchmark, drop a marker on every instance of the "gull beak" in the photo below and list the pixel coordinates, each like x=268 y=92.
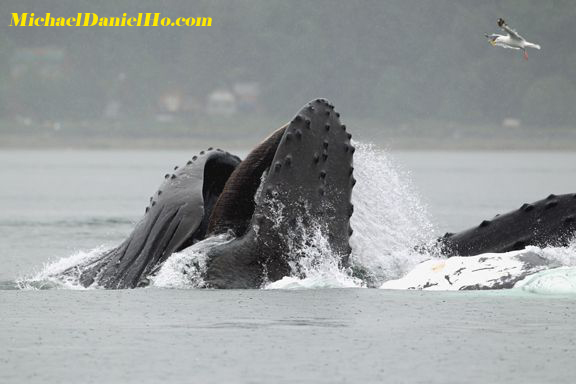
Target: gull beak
x=490 y=40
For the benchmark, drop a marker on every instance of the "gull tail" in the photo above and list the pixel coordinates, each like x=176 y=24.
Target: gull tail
x=532 y=45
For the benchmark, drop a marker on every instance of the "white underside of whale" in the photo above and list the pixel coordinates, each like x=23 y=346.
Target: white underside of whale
x=487 y=271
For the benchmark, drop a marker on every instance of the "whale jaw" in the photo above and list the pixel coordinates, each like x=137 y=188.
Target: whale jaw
x=306 y=187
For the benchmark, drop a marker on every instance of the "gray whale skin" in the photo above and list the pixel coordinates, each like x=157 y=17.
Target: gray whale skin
x=305 y=169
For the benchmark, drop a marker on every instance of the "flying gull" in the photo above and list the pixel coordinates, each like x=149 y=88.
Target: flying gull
x=512 y=40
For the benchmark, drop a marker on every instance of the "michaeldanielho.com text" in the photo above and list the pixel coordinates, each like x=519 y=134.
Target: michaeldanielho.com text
x=92 y=20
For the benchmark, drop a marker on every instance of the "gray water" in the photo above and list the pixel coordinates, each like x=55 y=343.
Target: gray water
x=54 y=203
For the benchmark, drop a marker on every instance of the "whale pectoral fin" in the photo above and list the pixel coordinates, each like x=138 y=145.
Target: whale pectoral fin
x=175 y=217
x=307 y=188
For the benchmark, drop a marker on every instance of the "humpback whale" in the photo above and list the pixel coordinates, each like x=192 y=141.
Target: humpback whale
x=307 y=184
x=547 y=222
x=176 y=217
x=498 y=253
x=296 y=182
x=300 y=177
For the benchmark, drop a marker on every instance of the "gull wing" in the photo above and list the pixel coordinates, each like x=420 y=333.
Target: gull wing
x=512 y=32
x=506 y=46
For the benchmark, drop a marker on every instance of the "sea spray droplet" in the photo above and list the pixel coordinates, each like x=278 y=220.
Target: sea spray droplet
x=389 y=219
x=185 y=269
x=63 y=273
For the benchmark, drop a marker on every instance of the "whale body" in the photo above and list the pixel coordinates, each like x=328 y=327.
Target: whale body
x=296 y=182
x=300 y=177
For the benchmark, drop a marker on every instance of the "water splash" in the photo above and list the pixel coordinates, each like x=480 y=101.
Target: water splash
x=388 y=221
x=389 y=217
x=186 y=269
x=63 y=273
x=313 y=263
x=558 y=281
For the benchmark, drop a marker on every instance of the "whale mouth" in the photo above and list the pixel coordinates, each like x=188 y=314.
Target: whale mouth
x=304 y=176
x=235 y=206
x=301 y=175
x=176 y=218
x=297 y=182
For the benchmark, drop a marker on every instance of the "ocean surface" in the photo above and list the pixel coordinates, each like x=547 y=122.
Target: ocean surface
x=58 y=206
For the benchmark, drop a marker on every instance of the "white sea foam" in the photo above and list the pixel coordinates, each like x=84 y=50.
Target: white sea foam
x=63 y=273
x=185 y=269
x=558 y=281
x=316 y=281
x=554 y=281
x=315 y=264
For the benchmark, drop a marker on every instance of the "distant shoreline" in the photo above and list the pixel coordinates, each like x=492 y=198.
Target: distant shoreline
x=245 y=132
x=31 y=142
